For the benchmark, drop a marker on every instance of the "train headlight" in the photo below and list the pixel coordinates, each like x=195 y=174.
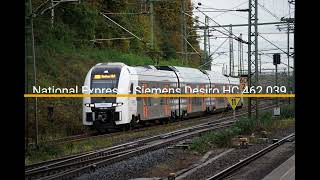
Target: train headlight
x=117 y=104
x=89 y=105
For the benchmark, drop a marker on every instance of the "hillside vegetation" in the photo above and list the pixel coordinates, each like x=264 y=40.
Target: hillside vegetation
x=65 y=51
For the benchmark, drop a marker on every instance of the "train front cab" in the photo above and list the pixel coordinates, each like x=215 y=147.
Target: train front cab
x=104 y=113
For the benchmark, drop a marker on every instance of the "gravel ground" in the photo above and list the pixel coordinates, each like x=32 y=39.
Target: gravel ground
x=129 y=169
x=178 y=159
x=222 y=163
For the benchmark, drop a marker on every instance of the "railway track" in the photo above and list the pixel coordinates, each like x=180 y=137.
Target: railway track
x=81 y=137
x=75 y=165
x=45 y=163
x=230 y=170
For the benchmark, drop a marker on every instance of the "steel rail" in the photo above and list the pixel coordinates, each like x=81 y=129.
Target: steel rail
x=228 y=171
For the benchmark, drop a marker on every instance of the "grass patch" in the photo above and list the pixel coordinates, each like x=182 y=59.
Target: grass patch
x=244 y=126
x=45 y=152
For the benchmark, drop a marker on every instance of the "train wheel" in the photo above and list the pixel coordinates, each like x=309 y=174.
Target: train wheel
x=171 y=119
x=135 y=121
x=184 y=115
x=125 y=127
x=164 y=121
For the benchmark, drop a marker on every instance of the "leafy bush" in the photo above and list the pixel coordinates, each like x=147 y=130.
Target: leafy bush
x=287 y=111
x=246 y=125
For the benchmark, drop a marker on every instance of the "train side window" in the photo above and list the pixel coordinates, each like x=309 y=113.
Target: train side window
x=131 y=88
x=162 y=101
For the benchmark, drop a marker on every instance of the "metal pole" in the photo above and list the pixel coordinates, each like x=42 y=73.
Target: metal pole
x=226 y=70
x=260 y=62
x=152 y=30
x=240 y=56
x=185 y=33
x=52 y=13
x=223 y=69
x=205 y=43
x=239 y=63
x=209 y=43
x=204 y=47
x=288 y=55
x=256 y=56
x=151 y=25
x=249 y=56
x=276 y=81
x=34 y=75
x=26 y=114
x=231 y=59
x=294 y=62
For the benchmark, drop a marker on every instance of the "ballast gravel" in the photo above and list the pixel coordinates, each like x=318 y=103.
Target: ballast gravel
x=129 y=169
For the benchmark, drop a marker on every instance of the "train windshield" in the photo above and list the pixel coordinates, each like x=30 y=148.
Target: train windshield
x=105 y=80
x=104 y=86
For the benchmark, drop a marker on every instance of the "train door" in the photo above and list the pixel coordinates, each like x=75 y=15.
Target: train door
x=212 y=99
x=145 y=104
x=166 y=102
x=132 y=100
x=203 y=100
x=189 y=103
x=219 y=101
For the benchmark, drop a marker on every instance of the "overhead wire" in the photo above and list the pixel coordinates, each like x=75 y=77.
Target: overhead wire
x=231 y=35
x=268 y=11
x=272 y=44
x=231 y=8
x=213 y=53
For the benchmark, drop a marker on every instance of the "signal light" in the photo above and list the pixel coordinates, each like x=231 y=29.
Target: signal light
x=276 y=59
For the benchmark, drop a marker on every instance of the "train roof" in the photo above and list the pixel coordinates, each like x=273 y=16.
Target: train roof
x=189 y=75
x=192 y=75
x=234 y=80
x=150 y=73
x=217 y=77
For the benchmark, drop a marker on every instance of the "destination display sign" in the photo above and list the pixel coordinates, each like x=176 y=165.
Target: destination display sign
x=104 y=76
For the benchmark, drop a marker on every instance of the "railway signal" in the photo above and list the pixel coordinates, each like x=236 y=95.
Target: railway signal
x=276 y=61
x=233 y=101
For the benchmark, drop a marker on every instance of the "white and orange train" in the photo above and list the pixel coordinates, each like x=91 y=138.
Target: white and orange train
x=104 y=113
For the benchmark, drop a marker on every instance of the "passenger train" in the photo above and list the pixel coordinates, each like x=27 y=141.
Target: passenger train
x=103 y=113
